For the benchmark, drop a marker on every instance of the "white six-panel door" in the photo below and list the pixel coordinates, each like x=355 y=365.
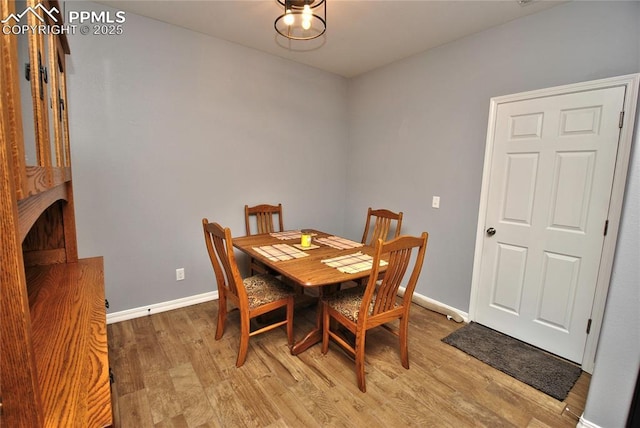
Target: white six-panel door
x=551 y=173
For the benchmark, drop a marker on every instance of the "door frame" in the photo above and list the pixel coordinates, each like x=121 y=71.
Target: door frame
x=631 y=82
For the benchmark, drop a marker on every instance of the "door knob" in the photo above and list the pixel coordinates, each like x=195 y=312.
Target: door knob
x=491 y=231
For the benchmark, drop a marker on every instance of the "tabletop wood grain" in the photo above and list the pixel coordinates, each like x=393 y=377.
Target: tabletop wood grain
x=306 y=271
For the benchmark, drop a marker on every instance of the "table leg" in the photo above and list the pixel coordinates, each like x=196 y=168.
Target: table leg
x=315 y=335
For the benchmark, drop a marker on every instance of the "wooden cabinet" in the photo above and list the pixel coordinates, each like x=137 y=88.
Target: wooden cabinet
x=53 y=345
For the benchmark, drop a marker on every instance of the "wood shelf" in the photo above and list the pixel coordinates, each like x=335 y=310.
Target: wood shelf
x=68 y=321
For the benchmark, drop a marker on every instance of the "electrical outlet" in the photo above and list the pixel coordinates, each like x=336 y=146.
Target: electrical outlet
x=179 y=274
x=435 y=202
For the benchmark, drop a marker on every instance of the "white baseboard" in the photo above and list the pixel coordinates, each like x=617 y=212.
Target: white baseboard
x=161 y=307
x=441 y=308
x=583 y=423
x=128 y=314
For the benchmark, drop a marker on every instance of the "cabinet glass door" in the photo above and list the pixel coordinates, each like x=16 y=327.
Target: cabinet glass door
x=60 y=107
x=50 y=96
x=27 y=74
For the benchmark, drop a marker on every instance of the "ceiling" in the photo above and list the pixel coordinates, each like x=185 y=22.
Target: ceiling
x=361 y=34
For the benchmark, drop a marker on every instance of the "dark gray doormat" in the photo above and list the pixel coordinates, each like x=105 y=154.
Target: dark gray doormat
x=545 y=372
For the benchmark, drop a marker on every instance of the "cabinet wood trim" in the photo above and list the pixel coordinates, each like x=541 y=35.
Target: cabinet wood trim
x=68 y=320
x=30 y=209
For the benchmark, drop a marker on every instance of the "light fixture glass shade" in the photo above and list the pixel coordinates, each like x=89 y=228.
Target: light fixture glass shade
x=302 y=19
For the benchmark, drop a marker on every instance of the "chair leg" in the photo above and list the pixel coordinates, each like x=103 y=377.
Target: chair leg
x=404 y=342
x=359 y=348
x=245 y=325
x=325 y=327
x=222 y=316
x=290 y=306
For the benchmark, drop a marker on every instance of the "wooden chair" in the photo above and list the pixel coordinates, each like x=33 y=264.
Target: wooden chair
x=253 y=296
x=378 y=225
x=264 y=215
x=360 y=311
x=264 y=219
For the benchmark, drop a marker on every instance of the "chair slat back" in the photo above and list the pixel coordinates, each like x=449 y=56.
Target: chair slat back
x=264 y=215
x=383 y=222
x=220 y=249
x=399 y=252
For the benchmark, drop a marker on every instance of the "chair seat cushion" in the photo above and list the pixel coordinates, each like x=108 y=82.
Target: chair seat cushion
x=348 y=302
x=263 y=289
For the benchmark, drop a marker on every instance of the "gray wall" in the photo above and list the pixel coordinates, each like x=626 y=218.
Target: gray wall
x=169 y=126
x=420 y=124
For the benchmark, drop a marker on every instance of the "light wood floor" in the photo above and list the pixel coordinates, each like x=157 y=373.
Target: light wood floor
x=170 y=372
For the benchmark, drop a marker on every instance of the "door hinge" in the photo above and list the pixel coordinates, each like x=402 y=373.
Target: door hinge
x=606 y=227
x=621 y=120
x=106 y=303
x=589 y=326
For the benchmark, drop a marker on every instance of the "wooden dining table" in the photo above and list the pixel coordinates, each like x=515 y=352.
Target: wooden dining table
x=308 y=272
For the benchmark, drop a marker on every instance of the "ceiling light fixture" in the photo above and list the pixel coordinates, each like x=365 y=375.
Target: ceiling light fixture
x=302 y=19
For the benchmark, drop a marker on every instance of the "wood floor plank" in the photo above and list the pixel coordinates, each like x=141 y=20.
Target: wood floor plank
x=134 y=410
x=280 y=423
x=174 y=422
x=203 y=317
x=162 y=395
x=191 y=395
x=286 y=402
x=433 y=397
x=203 y=362
x=223 y=352
x=229 y=410
x=575 y=402
x=261 y=412
x=150 y=352
x=535 y=423
x=172 y=330
x=120 y=334
x=171 y=372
